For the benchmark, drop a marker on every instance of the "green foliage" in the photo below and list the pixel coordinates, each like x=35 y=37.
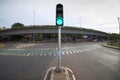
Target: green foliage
x=114 y=37
x=17 y=26
x=38 y=37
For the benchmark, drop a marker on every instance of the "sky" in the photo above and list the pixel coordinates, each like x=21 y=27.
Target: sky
x=100 y=15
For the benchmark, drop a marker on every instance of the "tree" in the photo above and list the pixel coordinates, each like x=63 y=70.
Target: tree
x=113 y=38
x=4 y=27
x=17 y=26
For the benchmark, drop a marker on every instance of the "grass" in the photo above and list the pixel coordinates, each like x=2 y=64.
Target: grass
x=116 y=44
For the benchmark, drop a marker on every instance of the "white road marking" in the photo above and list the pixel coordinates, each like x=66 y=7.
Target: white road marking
x=70 y=52
x=28 y=55
x=54 y=54
x=40 y=55
x=73 y=51
x=44 y=55
x=23 y=54
x=47 y=49
x=63 y=53
x=80 y=51
x=50 y=54
x=67 y=53
x=77 y=51
x=19 y=54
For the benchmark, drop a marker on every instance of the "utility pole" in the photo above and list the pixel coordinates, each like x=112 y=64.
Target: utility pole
x=119 y=24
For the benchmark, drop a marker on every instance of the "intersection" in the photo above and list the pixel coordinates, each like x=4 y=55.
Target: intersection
x=88 y=60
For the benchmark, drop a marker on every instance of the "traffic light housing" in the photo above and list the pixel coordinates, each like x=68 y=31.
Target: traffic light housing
x=59 y=15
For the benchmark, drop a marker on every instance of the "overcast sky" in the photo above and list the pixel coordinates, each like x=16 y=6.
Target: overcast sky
x=94 y=14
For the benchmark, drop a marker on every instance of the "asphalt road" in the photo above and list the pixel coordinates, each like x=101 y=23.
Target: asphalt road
x=89 y=61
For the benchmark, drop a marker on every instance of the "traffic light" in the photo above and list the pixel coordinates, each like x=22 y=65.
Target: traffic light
x=59 y=15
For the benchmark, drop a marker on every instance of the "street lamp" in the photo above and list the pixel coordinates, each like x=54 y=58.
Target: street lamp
x=34 y=14
x=119 y=24
x=80 y=18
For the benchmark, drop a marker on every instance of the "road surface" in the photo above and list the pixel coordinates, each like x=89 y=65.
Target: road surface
x=89 y=61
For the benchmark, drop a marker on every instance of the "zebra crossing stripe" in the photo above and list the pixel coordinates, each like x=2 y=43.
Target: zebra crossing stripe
x=70 y=52
x=63 y=53
x=31 y=54
x=73 y=51
x=56 y=48
x=47 y=49
x=54 y=54
x=49 y=54
x=44 y=55
x=19 y=54
x=23 y=54
x=40 y=55
x=67 y=53
x=28 y=55
x=80 y=51
x=77 y=51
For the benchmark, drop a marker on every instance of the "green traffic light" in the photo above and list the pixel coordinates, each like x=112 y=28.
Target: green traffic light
x=59 y=21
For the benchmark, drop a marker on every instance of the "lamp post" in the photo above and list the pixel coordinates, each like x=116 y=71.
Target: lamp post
x=80 y=18
x=119 y=24
x=34 y=14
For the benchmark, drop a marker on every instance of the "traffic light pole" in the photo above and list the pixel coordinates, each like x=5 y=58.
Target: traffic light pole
x=59 y=47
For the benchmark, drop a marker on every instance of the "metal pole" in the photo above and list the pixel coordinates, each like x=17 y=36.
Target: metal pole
x=34 y=18
x=59 y=47
x=80 y=21
x=119 y=24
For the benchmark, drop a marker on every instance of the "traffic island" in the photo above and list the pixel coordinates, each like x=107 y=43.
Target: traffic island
x=59 y=74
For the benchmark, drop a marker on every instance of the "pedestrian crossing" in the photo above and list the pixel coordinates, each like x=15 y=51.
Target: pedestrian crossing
x=42 y=52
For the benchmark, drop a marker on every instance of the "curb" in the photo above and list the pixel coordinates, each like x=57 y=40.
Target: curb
x=105 y=45
x=67 y=74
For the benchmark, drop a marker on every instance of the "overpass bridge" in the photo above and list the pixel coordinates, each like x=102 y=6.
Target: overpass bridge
x=51 y=29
